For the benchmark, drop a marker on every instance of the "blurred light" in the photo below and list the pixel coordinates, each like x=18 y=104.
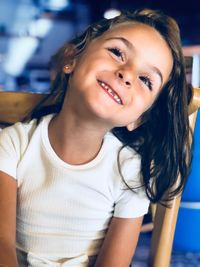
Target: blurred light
x=195 y=71
x=40 y=27
x=111 y=13
x=55 y=5
x=20 y=51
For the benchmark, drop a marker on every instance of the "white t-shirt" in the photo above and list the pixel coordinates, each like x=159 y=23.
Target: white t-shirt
x=63 y=210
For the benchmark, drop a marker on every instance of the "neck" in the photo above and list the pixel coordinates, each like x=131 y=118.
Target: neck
x=76 y=141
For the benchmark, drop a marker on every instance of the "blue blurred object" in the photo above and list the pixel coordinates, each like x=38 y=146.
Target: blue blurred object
x=192 y=189
x=187 y=233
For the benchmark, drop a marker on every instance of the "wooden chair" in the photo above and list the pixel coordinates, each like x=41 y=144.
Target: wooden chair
x=165 y=218
x=14 y=106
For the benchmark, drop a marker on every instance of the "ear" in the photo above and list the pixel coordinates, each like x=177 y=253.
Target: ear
x=67 y=69
x=131 y=126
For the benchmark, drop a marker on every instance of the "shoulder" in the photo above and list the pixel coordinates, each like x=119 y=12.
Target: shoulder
x=15 y=141
x=18 y=135
x=128 y=159
x=18 y=129
x=112 y=141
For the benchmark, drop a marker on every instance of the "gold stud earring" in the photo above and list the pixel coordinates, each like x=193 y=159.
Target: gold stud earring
x=67 y=69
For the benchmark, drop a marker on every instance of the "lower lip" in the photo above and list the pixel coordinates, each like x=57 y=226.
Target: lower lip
x=110 y=95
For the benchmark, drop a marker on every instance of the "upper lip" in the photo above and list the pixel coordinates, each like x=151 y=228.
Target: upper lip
x=117 y=92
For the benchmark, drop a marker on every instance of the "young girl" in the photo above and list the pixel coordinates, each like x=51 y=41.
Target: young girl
x=76 y=180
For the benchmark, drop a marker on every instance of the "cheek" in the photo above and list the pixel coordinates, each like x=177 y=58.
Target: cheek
x=136 y=109
x=142 y=102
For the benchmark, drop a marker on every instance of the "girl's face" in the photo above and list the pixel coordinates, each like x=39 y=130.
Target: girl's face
x=120 y=74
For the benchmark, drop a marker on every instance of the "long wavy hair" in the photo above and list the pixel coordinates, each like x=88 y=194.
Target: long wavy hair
x=162 y=139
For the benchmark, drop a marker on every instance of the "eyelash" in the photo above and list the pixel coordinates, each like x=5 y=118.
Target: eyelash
x=147 y=81
x=117 y=52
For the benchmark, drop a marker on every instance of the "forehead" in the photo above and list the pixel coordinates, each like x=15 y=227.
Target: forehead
x=137 y=34
x=132 y=28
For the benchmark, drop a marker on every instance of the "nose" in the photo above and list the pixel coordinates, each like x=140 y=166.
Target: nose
x=124 y=77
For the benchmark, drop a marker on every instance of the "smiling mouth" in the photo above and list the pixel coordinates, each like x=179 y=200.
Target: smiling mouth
x=110 y=92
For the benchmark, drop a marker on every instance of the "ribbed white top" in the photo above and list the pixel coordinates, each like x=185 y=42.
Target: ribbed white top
x=63 y=210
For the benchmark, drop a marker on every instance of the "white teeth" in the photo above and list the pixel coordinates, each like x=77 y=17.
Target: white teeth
x=111 y=92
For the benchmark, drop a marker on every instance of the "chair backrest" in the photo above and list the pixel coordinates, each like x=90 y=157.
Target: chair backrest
x=165 y=218
x=14 y=106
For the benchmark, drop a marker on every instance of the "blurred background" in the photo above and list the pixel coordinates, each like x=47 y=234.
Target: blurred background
x=32 y=30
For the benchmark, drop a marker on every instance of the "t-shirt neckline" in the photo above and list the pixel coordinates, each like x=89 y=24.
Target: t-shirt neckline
x=56 y=159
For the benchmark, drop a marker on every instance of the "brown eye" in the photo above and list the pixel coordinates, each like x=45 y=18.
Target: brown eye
x=117 y=52
x=146 y=81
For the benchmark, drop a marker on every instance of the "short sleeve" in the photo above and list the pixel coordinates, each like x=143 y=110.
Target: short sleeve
x=131 y=203
x=9 y=151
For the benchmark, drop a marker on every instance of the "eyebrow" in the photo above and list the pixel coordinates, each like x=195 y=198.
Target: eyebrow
x=124 y=40
x=130 y=46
